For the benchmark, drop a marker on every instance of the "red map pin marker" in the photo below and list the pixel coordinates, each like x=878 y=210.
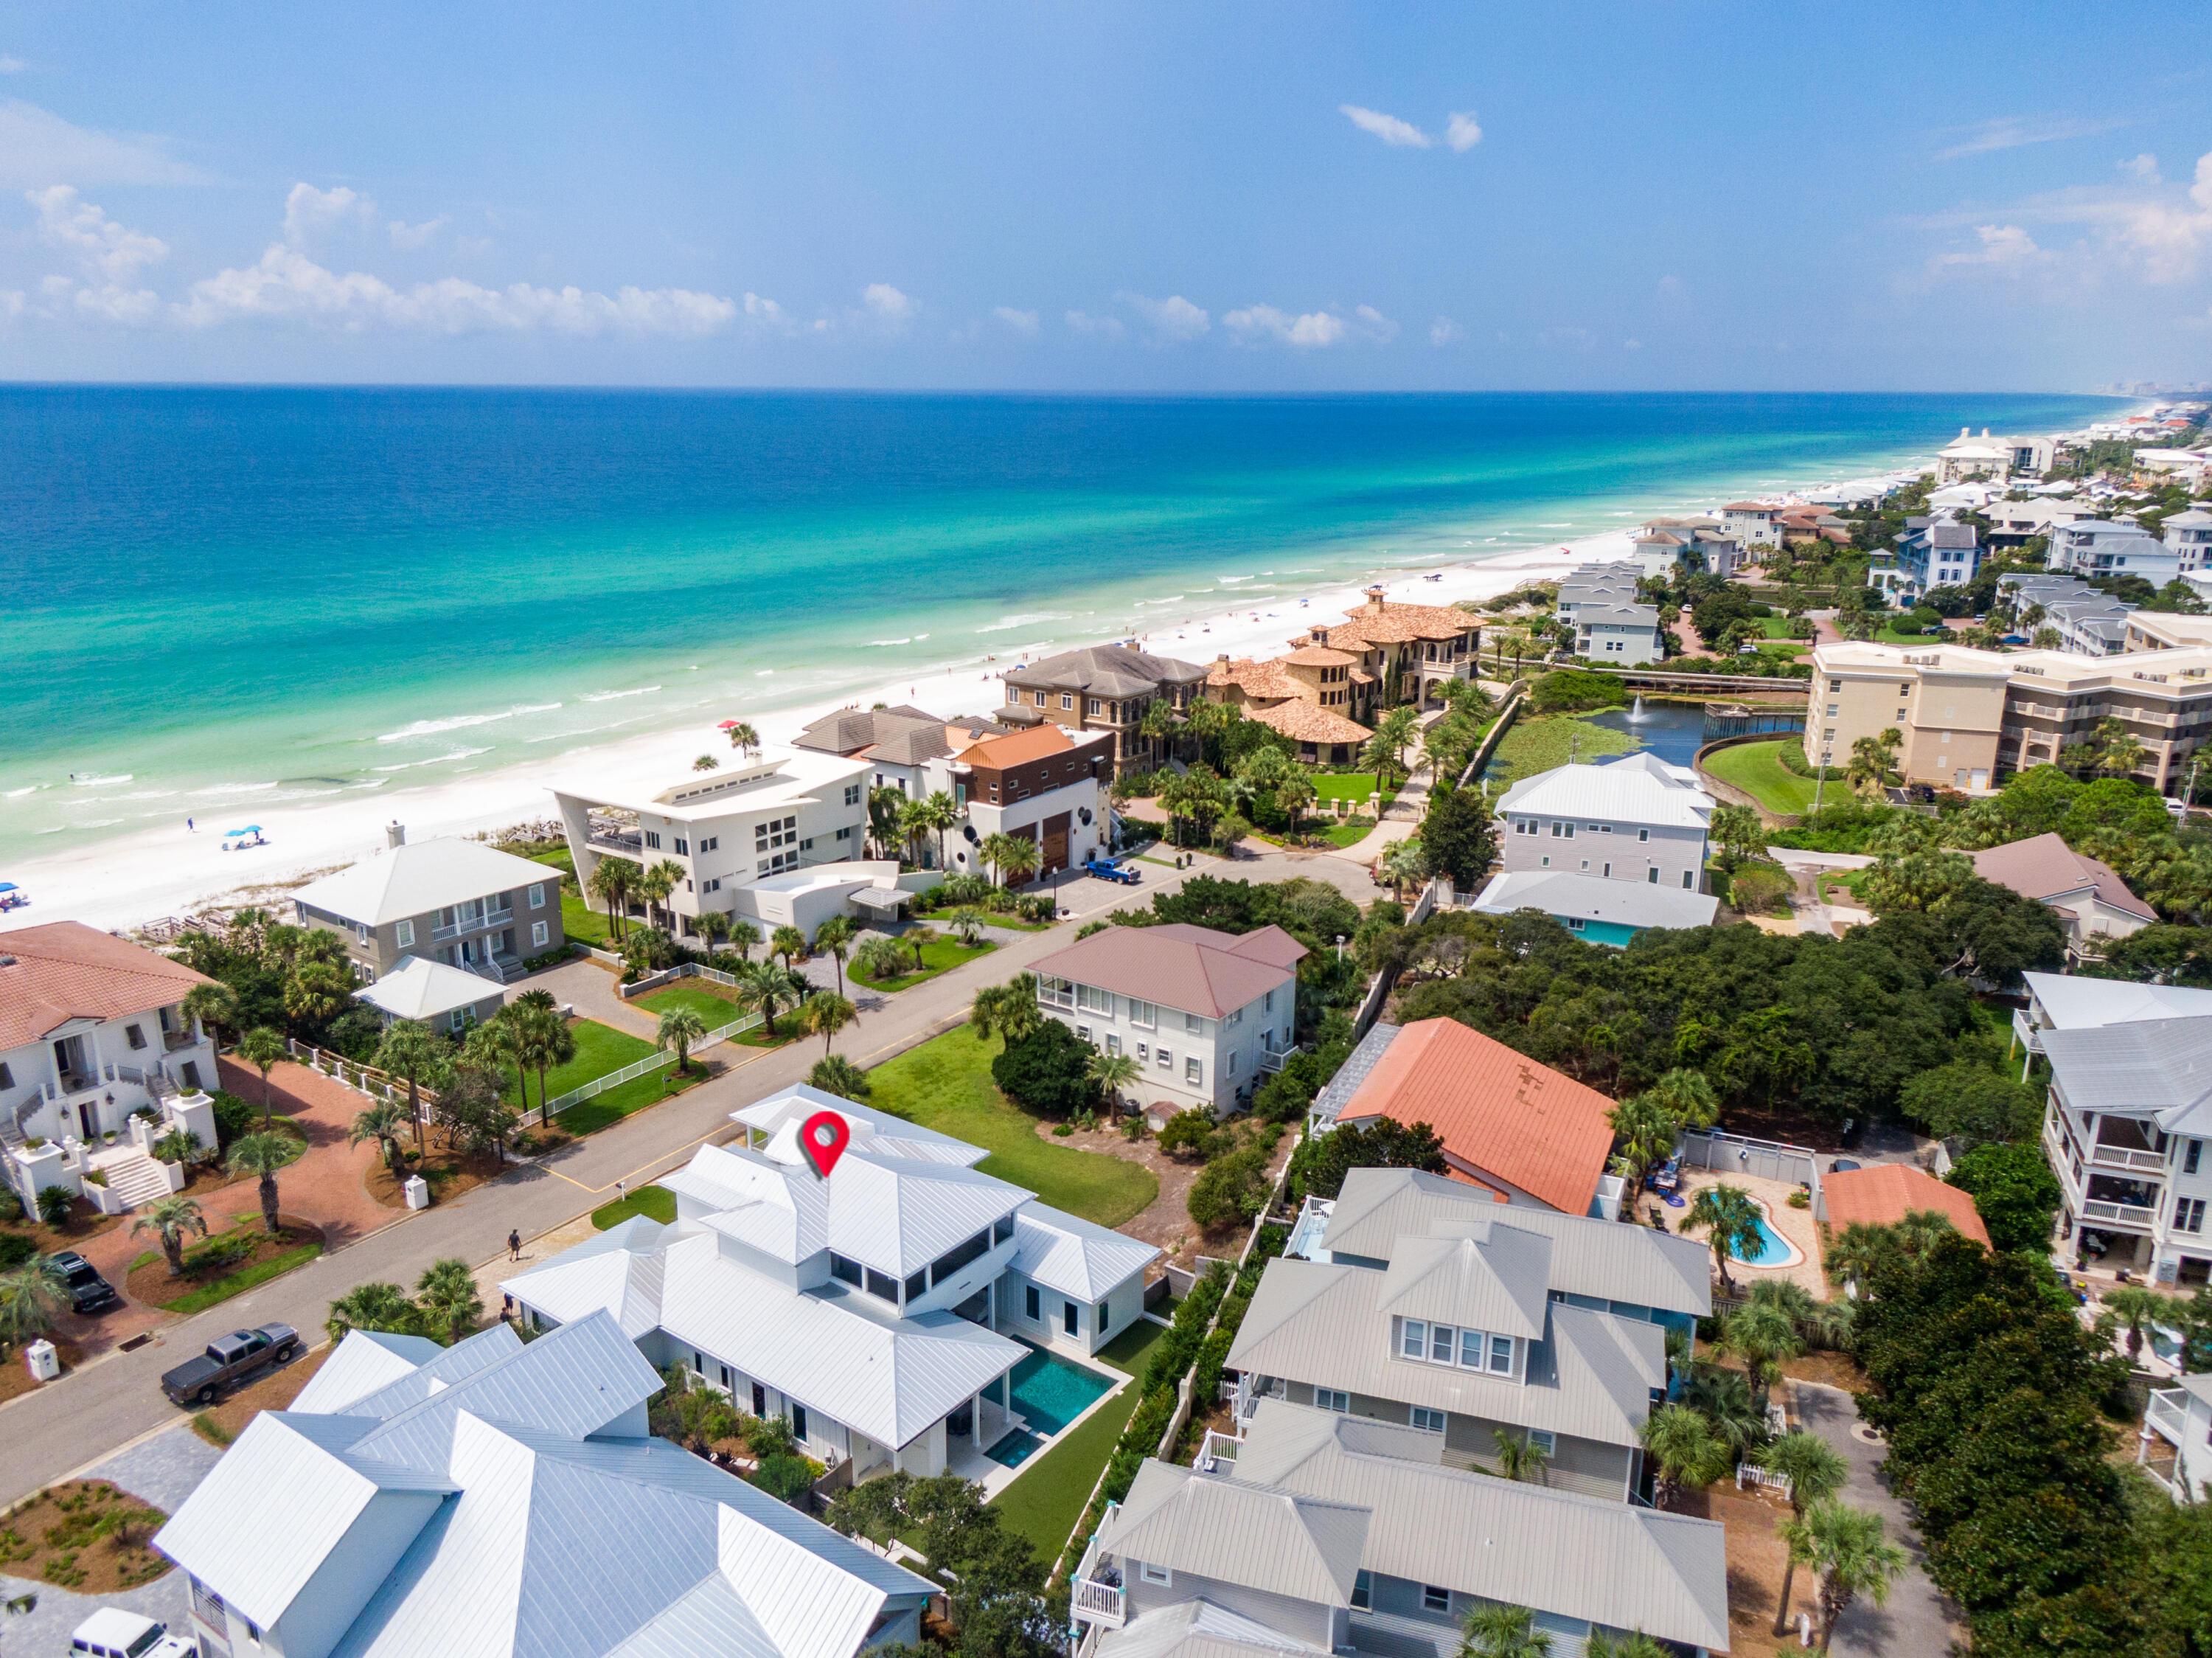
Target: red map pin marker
x=823 y=1138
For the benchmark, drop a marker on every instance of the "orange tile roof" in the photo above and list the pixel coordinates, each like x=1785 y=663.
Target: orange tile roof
x=1397 y=623
x=1304 y=722
x=1320 y=656
x=997 y=753
x=1497 y=1111
x=1884 y=1194
x=1257 y=678
x=65 y=970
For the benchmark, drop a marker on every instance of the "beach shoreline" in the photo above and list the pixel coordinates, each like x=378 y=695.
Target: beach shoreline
x=171 y=871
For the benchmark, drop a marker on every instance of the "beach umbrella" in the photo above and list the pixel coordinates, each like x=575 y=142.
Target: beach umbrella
x=249 y=829
x=8 y=887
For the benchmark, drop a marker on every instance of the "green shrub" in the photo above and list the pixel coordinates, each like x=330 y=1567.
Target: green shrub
x=784 y=1476
x=1565 y=689
x=1048 y=1072
x=232 y=1116
x=15 y=1250
x=1232 y=1188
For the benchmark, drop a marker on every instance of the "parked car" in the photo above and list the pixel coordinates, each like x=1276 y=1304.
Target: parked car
x=1106 y=871
x=88 y=1292
x=112 y=1632
x=227 y=1359
x=1845 y=1165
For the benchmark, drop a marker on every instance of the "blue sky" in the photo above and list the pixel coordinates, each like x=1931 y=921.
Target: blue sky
x=1118 y=196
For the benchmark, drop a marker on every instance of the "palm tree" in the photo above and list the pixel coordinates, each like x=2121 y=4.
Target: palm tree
x=498 y=1044
x=1113 y=1072
x=1498 y=1630
x=611 y=883
x=880 y=957
x=714 y=926
x=447 y=1293
x=1405 y=864
x=765 y=986
x=1386 y=750
x=32 y=1297
x=835 y=1073
x=1723 y=1398
x=1847 y=1547
x=1762 y=1335
x=411 y=1049
x=2134 y=1308
x=214 y=1006
x=382 y=1307
x=1731 y=1216
x=1010 y=1009
x=824 y=1015
x=919 y=938
x=936 y=813
x=1161 y=724
x=546 y=1041
x=263 y=1153
x=1017 y=861
x=705 y=763
x=1635 y=1644
x=178 y=1145
x=680 y=1028
x=1816 y=1471
x=384 y=1122
x=667 y=876
x=1684 y=1449
x=913 y=823
x=742 y=736
x=788 y=943
x=317 y=992
x=968 y=923
x=742 y=937
x=171 y=1219
x=263 y=1047
x=992 y=850
x=835 y=936
x=1520 y=1459
x=1648 y=1130
x=1689 y=1096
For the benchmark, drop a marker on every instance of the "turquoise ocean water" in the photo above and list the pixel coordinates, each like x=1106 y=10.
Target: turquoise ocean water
x=218 y=598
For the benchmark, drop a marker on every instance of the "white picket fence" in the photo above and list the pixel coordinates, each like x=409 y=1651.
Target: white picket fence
x=637 y=1068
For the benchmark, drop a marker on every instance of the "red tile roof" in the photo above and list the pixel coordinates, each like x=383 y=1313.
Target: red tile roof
x=997 y=753
x=65 y=970
x=1884 y=1194
x=1305 y=722
x=1190 y=969
x=1494 y=1109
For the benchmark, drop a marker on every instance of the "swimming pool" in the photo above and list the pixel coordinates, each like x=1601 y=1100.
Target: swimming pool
x=1050 y=1391
x=1774 y=1249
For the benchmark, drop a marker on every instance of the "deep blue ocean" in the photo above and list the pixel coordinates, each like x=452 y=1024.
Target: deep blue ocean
x=244 y=596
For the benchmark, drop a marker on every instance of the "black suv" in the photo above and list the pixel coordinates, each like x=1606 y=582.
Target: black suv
x=88 y=1292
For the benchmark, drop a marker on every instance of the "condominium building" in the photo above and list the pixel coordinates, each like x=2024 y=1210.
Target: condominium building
x=1103 y=688
x=1754 y=523
x=1970 y=718
x=1989 y=457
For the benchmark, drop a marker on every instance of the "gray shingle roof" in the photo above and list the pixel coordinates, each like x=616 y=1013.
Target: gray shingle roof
x=1106 y=671
x=1337 y=1093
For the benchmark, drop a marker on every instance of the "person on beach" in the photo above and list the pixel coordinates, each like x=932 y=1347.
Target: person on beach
x=190 y=828
x=515 y=1245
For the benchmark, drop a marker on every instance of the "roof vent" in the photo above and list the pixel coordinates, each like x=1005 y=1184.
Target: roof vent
x=7 y=960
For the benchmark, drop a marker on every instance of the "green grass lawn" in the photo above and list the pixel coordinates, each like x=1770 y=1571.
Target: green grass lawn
x=1344 y=786
x=656 y=1203
x=940 y=956
x=945 y=1084
x=599 y=1049
x=1785 y=647
x=1889 y=635
x=1754 y=768
x=1047 y=1498
x=208 y=1294
x=1540 y=742
x=612 y=1104
x=582 y=923
x=709 y=1001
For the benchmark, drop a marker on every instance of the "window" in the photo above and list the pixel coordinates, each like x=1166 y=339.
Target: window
x=1071 y=1320
x=1067 y=700
x=537 y=894
x=136 y=1037
x=1363 y=1592
x=806 y=845
x=1113 y=1043
x=1545 y=861
x=775 y=832
x=1831 y=710
x=844 y=1270
x=458 y=1019
x=1144 y=1014
x=1002 y=1230
x=541 y=935
x=1643 y=834
x=1192 y=1024
x=1105 y=1314
x=1233 y=1058
x=1652 y=875
x=1194 y=1073
x=361 y=933
x=1414 y=1342
x=1440 y=1343
x=2189 y=1215
x=652 y=838
x=1056 y=992
x=777 y=863
x=1576 y=923
x=2188 y=1157
x=698 y=1364
x=404 y=935
x=1436 y=1598
x=726 y=1378
x=1470 y=1348
x=1166 y=1059
x=1428 y=1421
x=1501 y=1356
x=1013 y=693
x=1608 y=871
x=917 y=1285
x=1333 y=1399
x=1092 y=999
x=943 y=1268
x=705 y=845
x=882 y=1286
x=1032 y=1304
x=1267 y=1002
x=682 y=846
x=1144 y=1053
x=1689 y=879
x=1544 y=1441
x=799 y=1422
x=1038 y=696
x=1152 y=1574
x=7 y=1077
x=852 y=794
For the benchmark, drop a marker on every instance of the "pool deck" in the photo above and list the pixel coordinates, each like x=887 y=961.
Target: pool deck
x=995 y=1477
x=1796 y=1226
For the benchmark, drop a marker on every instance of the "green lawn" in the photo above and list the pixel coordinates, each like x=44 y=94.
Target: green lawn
x=945 y=1084
x=612 y=1104
x=1889 y=635
x=584 y=924
x=1785 y=647
x=246 y=1278
x=1540 y=742
x=599 y=1049
x=1047 y=1498
x=707 y=1000
x=654 y=1202
x=1343 y=785
x=938 y=956
x=1753 y=768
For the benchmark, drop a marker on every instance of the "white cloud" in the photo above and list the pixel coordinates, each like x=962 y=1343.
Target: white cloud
x=37 y=148
x=1021 y=322
x=887 y=303
x=2145 y=227
x=1255 y=323
x=1172 y=318
x=2005 y=248
x=409 y=238
x=101 y=245
x=765 y=315
x=2012 y=132
x=1632 y=345
x=2144 y=166
x=308 y=209
x=1402 y=135
x=1444 y=332
x=13 y=66
x=288 y=286
x=1083 y=323
x=111 y=303
x=1375 y=325
x=1462 y=132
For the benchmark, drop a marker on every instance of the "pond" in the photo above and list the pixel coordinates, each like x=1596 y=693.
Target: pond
x=1672 y=731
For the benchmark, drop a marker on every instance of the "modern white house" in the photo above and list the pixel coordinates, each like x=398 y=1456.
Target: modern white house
x=2127 y=1120
x=449 y=999
x=882 y=1311
x=1206 y=1014
x=2174 y=1446
x=1968 y=456
x=1050 y=784
x=1633 y=819
x=751 y=839
x=97 y=1061
x=460 y=902
x=1754 y=523
x=494 y=1499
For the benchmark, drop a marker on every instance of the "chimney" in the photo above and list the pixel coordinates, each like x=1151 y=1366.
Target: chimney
x=1374 y=599
x=395 y=834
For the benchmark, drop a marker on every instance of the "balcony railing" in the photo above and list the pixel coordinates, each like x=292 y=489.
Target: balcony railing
x=1095 y=1593
x=2030 y=1036
x=1216 y=1454
x=2095 y=1209
x=2168 y=1413
x=474 y=924
x=2104 y=1156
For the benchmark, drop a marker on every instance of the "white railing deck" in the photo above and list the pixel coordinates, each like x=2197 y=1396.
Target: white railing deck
x=1217 y=1453
x=1750 y=1473
x=2025 y=1031
x=2167 y=1414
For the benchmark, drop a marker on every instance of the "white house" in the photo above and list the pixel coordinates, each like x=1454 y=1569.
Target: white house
x=2096 y=547
x=1988 y=457
x=1754 y=523
x=2181 y=1416
x=92 y=1032
x=1205 y=1013
x=865 y=1309
x=745 y=839
x=1049 y=784
x=493 y=1499
x=1633 y=819
x=1618 y=634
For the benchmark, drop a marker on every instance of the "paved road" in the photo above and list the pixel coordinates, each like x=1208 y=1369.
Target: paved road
x=55 y=1431
x=1918 y=1619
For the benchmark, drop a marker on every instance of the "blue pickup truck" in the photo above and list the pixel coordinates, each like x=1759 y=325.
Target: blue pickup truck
x=1109 y=871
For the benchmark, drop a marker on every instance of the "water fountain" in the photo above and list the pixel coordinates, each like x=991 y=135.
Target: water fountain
x=1636 y=715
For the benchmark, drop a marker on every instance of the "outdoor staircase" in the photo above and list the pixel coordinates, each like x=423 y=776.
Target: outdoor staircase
x=134 y=1180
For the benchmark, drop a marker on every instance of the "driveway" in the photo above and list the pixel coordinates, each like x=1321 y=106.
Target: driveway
x=106 y=1404
x=1918 y=1618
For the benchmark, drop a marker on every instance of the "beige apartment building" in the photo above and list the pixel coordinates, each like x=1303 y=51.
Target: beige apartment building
x=1972 y=717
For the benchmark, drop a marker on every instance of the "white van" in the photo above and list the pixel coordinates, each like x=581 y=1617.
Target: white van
x=111 y=1632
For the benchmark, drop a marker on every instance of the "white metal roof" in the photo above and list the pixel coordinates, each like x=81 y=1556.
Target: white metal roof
x=1235 y=1532
x=1565 y=893
x=1492 y=1279
x=1074 y=1256
x=2071 y=1003
x=617 y=1272
x=364 y=1362
x=868 y=1125
x=1196 y=1628
x=419 y=988
x=779 y=777
x=419 y=877
x=1585 y=1558
x=1638 y=789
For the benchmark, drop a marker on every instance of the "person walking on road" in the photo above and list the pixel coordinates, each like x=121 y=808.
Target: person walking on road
x=515 y=1245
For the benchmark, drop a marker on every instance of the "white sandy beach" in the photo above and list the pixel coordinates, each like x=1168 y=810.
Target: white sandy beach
x=169 y=871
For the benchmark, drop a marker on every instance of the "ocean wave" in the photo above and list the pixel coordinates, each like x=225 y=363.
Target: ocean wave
x=1026 y=618
x=765 y=672
x=228 y=789
x=1174 y=599
x=138 y=793
x=435 y=760
x=455 y=722
x=17 y=794
x=906 y=641
x=96 y=782
x=609 y=696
